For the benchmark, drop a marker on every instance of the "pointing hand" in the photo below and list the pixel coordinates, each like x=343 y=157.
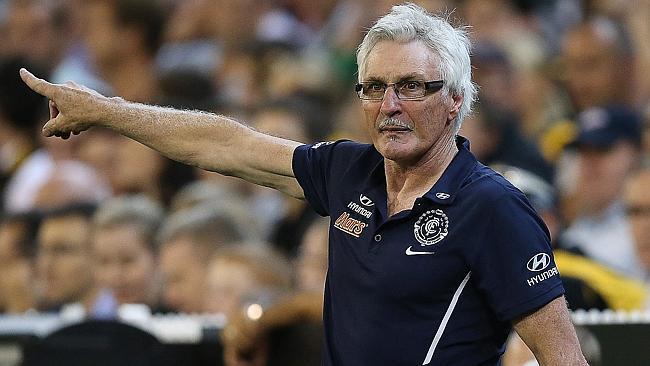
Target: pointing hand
x=73 y=108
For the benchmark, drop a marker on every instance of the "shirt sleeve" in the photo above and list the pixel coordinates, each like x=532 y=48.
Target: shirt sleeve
x=320 y=167
x=514 y=265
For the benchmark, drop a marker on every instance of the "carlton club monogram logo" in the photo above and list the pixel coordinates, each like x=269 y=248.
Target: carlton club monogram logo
x=431 y=227
x=349 y=225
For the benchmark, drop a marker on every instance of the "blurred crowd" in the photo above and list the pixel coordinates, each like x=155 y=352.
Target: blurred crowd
x=101 y=221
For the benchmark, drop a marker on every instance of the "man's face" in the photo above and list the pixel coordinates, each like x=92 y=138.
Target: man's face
x=429 y=120
x=125 y=263
x=637 y=202
x=63 y=259
x=183 y=272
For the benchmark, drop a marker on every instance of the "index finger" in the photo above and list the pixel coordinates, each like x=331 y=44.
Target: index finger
x=38 y=85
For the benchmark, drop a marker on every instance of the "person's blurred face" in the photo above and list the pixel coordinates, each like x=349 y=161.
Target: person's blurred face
x=281 y=123
x=183 y=272
x=102 y=36
x=97 y=149
x=228 y=284
x=601 y=174
x=139 y=167
x=311 y=264
x=29 y=31
x=63 y=259
x=594 y=70
x=428 y=121
x=637 y=202
x=10 y=235
x=125 y=264
x=483 y=141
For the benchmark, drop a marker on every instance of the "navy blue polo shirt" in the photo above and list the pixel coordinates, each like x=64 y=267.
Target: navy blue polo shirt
x=434 y=285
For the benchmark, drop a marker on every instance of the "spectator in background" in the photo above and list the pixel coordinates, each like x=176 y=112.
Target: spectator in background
x=637 y=206
x=21 y=113
x=245 y=275
x=530 y=95
x=290 y=333
x=634 y=16
x=346 y=122
x=495 y=138
x=17 y=247
x=69 y=182
x=597 y=70
x=311 y=262
x=29 y=30
x=188 y=240
x=124 y=249
x=607 y=147
x=189 y=42
x=64 y=258
x=597 y=57
x=123 y=37
x=33 y=177
x=138 y=169
x=291 y=219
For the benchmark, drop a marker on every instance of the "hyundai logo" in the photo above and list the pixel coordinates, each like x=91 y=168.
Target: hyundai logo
x=365 y=201
x=538 y=262
x=442 y=195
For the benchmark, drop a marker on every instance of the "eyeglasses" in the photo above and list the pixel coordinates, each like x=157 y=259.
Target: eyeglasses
x=405 y=90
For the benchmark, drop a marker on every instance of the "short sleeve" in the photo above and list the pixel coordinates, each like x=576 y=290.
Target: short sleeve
x=514 y=266
x=324 y=167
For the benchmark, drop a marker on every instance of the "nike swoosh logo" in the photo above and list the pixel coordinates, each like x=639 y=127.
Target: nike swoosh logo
x=410 y=252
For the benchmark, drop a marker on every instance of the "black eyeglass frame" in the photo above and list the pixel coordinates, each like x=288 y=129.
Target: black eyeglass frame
x=430 y=87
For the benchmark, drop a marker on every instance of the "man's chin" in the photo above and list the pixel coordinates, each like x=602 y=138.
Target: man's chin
x=395 y=150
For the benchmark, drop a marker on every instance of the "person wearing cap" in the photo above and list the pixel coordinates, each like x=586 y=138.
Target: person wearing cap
x=606 y=148
x=433 y=257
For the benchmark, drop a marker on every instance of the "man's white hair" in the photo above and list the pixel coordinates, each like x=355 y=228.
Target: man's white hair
x=408 y=23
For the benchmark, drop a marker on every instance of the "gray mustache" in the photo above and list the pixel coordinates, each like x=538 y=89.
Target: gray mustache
x=393 y=122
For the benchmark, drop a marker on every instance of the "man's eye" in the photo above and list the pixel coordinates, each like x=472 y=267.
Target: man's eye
x=412 y=85
x=376 y=87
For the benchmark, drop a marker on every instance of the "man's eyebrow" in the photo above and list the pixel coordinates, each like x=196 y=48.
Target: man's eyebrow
x=374 y=79
x=405 y=77
x=412 y=76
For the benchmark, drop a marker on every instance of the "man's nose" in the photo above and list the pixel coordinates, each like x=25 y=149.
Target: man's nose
x=391 y=104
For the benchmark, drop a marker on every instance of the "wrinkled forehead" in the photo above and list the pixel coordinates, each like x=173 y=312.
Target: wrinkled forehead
x=391 y=61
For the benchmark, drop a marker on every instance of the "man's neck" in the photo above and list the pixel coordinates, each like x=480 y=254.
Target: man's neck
x=406 y=182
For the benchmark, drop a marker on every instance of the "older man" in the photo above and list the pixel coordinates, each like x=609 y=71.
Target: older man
x=433 y=257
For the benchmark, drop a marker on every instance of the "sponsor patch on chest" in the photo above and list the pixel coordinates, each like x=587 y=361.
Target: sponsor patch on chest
x=350 y=225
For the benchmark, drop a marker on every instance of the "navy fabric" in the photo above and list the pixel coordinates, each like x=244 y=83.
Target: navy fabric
x=384 y=299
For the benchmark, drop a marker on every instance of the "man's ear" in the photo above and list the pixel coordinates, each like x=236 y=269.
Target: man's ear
x=455 y=108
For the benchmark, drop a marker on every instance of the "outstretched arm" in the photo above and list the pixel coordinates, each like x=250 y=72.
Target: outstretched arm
x=549 y=333
x=205 y=140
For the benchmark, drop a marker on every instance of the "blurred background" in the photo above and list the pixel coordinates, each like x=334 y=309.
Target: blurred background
x=94 y=224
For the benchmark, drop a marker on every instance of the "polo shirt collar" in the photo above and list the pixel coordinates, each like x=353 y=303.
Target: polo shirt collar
x=445 y=189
